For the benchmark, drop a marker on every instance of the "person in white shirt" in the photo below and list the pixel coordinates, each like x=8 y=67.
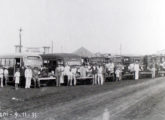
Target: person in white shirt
x=83 y=71
x=74 y=71
x=136 y=69
x=58 y=74
x=1 y=75
x=67 y=72
x=28 y=76
x=118 y=74
x=110 y=69
x=153 y=69
x=100 y=75
x=62 y=74
x=17 y=78
x=131 y=67
x=35 y=75
x=70 y=78
x=6 y=75
x=118 y=71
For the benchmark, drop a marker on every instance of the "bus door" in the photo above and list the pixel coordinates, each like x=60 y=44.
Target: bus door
x=17 y=62
x=52 y=65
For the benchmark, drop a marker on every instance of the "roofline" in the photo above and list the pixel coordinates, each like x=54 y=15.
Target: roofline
x=60 y=55
x=20 y=55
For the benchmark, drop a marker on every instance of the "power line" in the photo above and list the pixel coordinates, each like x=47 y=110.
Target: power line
x=20 y=42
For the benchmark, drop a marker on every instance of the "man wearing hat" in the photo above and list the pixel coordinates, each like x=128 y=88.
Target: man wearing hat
x=28 y=76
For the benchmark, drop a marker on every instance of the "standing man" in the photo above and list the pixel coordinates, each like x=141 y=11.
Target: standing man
x=69 y=78
x=94 y=74
x=36 y=76
x=110 y=67
x=6 y=75
x=100 y=75
x=136 y=69
x=17 y=78
x=1 y=75
x=58 y=74
x=83 y=71
x=121 y=68
x=118 y=74
x=62 y=74
x=74 y=71
x=66 y=71
x=28 y=76
x=104 y=73
x=153 y=69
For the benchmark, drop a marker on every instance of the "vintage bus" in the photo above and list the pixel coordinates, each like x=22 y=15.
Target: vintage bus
x=126 y=61
x=99 y=60
x=21 y=61
x=51 y=61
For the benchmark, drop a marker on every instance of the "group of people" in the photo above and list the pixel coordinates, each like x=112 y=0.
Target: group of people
x=95 y=71
x=66 y=72
x=28 y=74
x=136 y=68
x=4 y=73
x=70 y=74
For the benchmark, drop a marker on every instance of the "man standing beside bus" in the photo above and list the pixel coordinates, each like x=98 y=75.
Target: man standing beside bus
x=74 y=71
x=136 y=69
x=6 y=75
x=153 y=69
x=1 y=75
x=28 y=76
x=100 y=75
x=35 y=77
x=62 y=75
x=58 y=73
x=17 y=78
x=110 y=69
x=66 y=72
x=94 y=74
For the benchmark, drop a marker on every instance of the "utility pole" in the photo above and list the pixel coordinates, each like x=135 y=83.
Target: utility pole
x=20 y=42
x=52 y=46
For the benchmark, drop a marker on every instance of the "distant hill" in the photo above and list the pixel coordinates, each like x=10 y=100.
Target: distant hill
x=83 y=52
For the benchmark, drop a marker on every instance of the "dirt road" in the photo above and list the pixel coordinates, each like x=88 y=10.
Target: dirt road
x=124 y=100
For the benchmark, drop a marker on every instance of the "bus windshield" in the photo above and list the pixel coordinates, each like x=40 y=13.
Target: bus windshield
x=33 y=61
x=74 y=62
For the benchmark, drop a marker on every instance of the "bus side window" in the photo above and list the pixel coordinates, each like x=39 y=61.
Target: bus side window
x=17 y=62
x=11 y=62
x=7 y=62
x=45 y=62
x=3 y=62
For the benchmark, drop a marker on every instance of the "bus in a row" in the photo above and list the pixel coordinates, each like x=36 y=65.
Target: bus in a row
x=51 y=61
x=21 y=61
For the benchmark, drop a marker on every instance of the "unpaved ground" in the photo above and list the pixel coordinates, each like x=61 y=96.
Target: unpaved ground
x=124 y=100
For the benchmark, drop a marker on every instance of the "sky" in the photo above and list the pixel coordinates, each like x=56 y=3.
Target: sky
x=138 y=26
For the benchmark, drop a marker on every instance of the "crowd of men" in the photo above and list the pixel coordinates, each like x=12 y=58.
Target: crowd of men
x=29 y=74
x=98 y=73
x=69 y=74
